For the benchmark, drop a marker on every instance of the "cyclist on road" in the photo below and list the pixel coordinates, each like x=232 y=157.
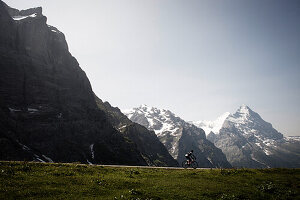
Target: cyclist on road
x=190 y=157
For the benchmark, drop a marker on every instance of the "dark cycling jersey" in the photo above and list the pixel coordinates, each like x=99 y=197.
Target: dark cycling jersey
x=190 y=156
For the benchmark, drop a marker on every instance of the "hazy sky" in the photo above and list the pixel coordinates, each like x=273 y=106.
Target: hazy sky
x=198 y=59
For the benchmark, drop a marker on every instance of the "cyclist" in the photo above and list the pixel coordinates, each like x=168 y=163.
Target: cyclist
x=190 y=157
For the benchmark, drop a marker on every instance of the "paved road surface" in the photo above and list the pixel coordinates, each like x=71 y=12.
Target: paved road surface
x=151 y=167
x=126 y=166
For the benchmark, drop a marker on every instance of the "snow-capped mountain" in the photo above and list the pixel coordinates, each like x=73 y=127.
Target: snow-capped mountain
x=178 y=136
x=249 y=141
x=159 y=120
x=163 y=122
x=212 y=126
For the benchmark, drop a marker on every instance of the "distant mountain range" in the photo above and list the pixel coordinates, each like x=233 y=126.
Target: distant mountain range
x=244 y=137
x=178 y=136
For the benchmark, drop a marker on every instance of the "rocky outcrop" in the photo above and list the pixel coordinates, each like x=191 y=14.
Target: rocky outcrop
x=47 y=107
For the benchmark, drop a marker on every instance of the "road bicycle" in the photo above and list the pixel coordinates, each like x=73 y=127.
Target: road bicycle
x=186 y=164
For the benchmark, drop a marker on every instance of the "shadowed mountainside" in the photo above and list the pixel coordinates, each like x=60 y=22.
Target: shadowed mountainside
x=48 y=110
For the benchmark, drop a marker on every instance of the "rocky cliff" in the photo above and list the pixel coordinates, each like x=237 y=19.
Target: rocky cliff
x=48 y=110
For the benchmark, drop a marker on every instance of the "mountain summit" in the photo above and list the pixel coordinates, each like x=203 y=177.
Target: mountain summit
x=251 y=124
x=249 y=141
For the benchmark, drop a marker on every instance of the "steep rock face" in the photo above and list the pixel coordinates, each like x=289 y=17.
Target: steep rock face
x=178 y=136
x=249 y=141
x=152 y=150
x=47 y=107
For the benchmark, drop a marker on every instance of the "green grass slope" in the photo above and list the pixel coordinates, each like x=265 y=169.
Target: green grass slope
x=23 y=180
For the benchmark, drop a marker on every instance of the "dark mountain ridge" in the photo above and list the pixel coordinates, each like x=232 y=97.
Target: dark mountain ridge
x=47 y=107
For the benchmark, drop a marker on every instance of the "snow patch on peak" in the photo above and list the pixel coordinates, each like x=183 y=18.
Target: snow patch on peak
x=148 y=112
x=244 y=110
x=292 y=138
x=54 y=29
x=243 y=115
x=128 y=112
x=125 y=111
x=18 y=18
x=212 y=126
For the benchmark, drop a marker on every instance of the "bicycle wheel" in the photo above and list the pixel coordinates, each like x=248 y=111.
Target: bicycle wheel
x=184 y=164
x=194 y=164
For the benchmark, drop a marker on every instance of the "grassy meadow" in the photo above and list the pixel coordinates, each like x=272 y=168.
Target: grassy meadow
x=27 y=180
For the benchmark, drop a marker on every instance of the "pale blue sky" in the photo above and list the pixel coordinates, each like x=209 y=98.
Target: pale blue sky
x=197 y=58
